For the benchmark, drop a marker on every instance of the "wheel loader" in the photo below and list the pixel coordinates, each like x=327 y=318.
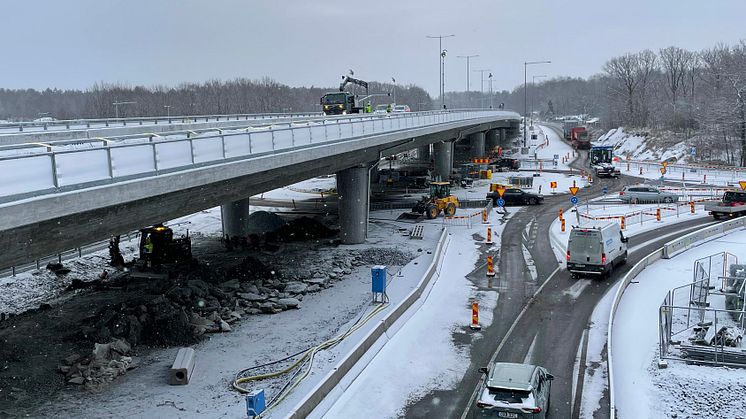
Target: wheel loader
x=440 y=200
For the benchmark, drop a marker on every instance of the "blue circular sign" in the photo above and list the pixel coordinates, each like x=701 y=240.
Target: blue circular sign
x=500 y=202
x=574 y=200
x=605 y=190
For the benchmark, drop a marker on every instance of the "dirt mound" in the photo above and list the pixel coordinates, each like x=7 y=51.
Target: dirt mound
x=250 y=268
x=304 y=228
x=384 y=256
x=261 y=222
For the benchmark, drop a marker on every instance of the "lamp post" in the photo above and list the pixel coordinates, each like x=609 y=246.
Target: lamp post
x=441 y=68
x=481 y=78
x=468 y=57
x=116 y=107
x=525 y=93
x=533 y=93
x=490 y=77
x=168 y=110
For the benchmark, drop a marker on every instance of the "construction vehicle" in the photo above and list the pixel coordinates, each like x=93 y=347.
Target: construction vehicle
x=439 y=200
x=158 y=246
x=601 y=159
x=580 y=138
x=567 y=126
x=342 y=102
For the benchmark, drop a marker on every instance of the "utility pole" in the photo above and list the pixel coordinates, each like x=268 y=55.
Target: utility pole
x=525 y=94
x=441 y=67
x=490 y=77
x=481 y=79
x=467 y=68
x=168 y=110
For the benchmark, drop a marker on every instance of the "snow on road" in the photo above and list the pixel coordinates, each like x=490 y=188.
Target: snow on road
x=402 y=371
x=641 y=389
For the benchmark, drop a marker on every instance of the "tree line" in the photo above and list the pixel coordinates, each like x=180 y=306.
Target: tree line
x=239 y=96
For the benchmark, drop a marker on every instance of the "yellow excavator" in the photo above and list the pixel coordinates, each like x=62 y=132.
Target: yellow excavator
x=440 y=200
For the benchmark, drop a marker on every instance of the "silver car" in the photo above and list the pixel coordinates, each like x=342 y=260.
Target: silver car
x=646 y=194
x=516 y=391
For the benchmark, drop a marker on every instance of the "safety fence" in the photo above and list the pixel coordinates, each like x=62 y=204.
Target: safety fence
x=703 y=323
x=58 y=171
x=641 y=216
x=468 y=220
x=709 y=174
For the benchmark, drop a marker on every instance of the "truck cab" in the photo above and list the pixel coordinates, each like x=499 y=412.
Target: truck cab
x=596 y=250
x=338 y=103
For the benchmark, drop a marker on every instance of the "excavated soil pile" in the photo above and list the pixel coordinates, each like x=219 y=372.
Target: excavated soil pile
x=304 y=228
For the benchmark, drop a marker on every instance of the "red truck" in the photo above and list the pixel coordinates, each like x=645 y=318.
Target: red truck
x=580 y=138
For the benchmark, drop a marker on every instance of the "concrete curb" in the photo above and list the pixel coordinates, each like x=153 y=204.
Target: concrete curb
x=337 y=374
x=668 y=251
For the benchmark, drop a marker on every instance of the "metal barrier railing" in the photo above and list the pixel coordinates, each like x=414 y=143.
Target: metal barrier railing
x=57 y=171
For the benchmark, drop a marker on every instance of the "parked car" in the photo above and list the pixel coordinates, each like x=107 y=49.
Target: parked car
x=380 y=109
x=511 y=390
x=506 y=164
x=516 y=196
x=401 y=108
x=643 y=193
x=596 y=250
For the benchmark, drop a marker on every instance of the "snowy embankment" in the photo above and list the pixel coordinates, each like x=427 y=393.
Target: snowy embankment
x=642 y=147
x=641 y=389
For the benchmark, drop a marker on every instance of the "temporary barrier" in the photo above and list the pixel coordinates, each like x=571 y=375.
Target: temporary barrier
x=490 y=268
x=475 y=316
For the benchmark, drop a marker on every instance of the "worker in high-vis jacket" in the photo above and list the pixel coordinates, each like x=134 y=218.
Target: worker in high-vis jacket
x=369 y=108
x=148 y=250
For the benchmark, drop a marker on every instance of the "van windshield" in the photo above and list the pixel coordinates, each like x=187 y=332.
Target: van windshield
x=586 y=242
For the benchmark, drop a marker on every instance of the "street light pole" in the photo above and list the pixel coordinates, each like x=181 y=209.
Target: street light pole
x=490 y=77
x=525 y=93
x=481 y=78
x=533 y=93
x=441 y=68
x=116 y=107
x=467 y=68
x=168 y=110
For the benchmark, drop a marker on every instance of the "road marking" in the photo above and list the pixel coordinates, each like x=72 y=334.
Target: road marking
x=505 y=339
x=576 y=369
x=528 y=359
x=577 y=288
x=529 y=261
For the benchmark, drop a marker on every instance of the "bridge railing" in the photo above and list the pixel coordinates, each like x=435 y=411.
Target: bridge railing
x=68 y=124
x=23 y=176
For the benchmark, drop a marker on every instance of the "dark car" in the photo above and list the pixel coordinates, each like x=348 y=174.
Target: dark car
x=515 y=196
x=506 y=164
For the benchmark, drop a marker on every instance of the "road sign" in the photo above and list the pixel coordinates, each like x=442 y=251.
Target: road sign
x=693 y=151
x=605 y=190
x=665 y=164
x=574 y=200
x=743 y=184
x=500 y=190
x=556 y=156
x=663 y=170
x=500 y=202
x=553 y=185
x=574 y=190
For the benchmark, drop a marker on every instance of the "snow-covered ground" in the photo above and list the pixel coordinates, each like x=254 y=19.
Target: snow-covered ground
x=445 y=311
x=639 y=147
x=685 y=391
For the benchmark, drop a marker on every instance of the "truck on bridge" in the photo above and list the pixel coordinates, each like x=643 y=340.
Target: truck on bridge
x=342 y=102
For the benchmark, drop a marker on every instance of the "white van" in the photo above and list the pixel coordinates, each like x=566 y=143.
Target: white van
x=596 y=250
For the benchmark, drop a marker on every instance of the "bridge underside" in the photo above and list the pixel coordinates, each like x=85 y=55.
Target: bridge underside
x=59 y=222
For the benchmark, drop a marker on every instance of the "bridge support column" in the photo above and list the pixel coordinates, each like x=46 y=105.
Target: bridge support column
x=235 y=216
x=423 y=153
x=492 y=139
x=503 y=137
x=443 y=159
x=353 y=186
x=476 y=142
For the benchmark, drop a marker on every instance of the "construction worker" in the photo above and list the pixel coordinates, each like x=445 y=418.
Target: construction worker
x=388 y=108
x=369 y=108
x=148 y=250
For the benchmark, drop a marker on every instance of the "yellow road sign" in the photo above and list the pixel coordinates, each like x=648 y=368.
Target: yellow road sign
x=553 y=185
x=743 y=184
x=665 y=164
x=500 y=190
x=574 y=190
x=663 y=170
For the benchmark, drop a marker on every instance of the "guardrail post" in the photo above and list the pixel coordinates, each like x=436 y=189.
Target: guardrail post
x=222 y=143
x=273 y=137
x=108 y=157
x=55 y=180
x=249 y=143
x=155 y=158
x=191 y=149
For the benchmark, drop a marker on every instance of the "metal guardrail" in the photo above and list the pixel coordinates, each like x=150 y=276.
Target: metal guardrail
x=67 y=124
x=24 y=176
x=668 y=251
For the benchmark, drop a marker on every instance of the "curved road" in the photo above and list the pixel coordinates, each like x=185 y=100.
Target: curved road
x=544 y=327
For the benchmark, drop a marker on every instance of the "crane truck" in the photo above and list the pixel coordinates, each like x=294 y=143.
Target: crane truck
x=342 y=102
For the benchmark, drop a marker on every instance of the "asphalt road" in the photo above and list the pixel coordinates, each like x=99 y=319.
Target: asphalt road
x=543 y=328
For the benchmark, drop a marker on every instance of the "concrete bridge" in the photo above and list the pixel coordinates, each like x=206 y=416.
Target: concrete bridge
x=57 y=200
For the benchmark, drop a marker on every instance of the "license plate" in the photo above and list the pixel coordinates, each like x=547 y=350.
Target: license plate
x=580 y=265
x=507 y=415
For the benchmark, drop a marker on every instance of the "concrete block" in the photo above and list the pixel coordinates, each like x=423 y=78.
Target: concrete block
x=181 y=370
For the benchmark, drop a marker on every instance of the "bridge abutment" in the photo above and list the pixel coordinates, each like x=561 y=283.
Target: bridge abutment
x=492 y=139
x=235 y=216
x=353 y=189
x=423 y=153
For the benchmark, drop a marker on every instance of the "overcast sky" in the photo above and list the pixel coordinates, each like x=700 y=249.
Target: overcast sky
x=74 y=43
